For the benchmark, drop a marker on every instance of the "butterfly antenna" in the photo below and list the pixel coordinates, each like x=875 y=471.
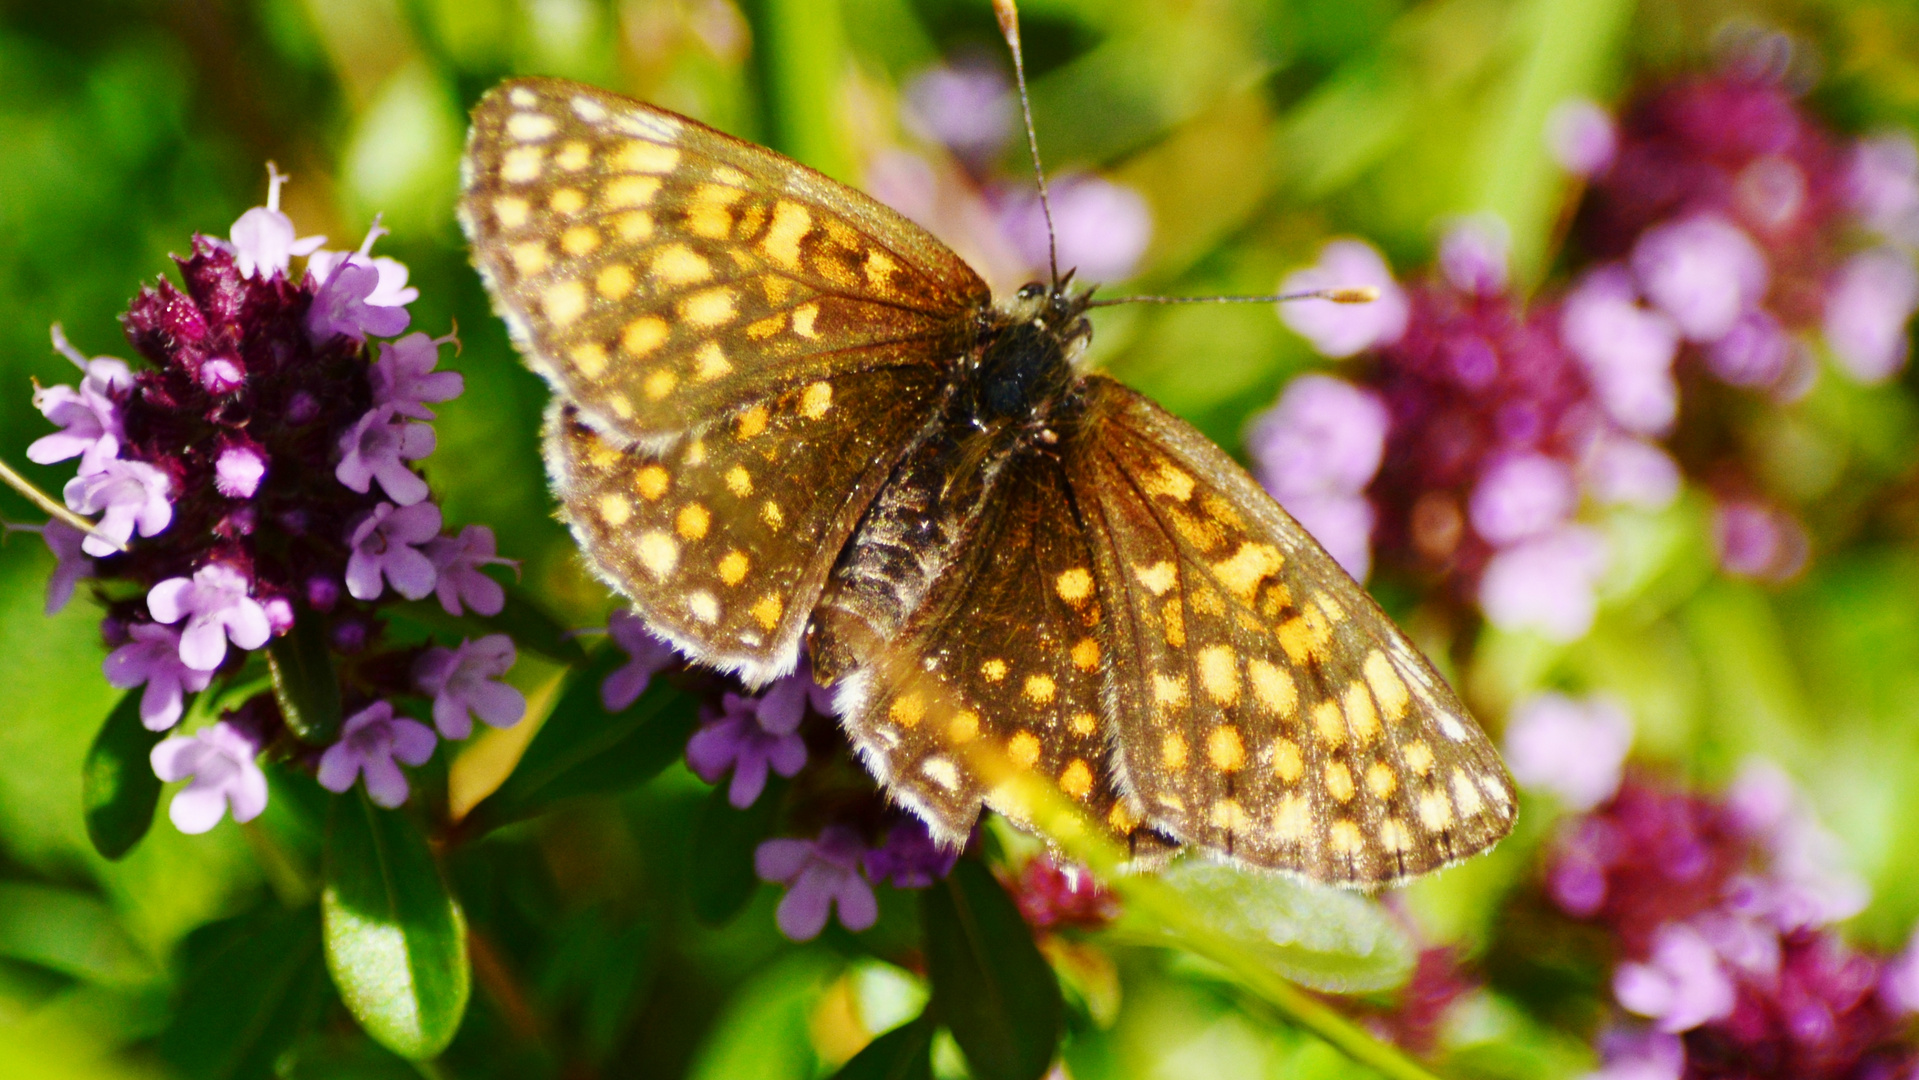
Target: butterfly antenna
x=1362 y=294
x=1008 y=16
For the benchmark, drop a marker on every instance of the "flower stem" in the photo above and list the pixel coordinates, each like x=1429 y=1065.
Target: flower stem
x=53 y=508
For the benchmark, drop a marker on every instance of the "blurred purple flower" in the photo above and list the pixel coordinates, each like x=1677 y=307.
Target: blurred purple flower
x=968 y=107
x=1640 y=1055
x=1883 y=186
x=378 y=447
x=1757 y=541
x=1473 y=255
x=1755 y=352
x=1626 y=350
x=456 y=567
x=127 y=495
x=370 y=741
x=1621 y=471
x=216 y=605
x=909 y=858
x=1703 y=271
x=818 y=874
x=1102 y=228
x=1338 y=330
x=238 y=470
x=1573 y=750
x=1520 y=496
x=1808 y=883
x=220 y=759
x=462 y=684
x=1899 y=984
x=1681 y=987
x=1867 y=307
x=1316 y=450
x=152 y=658
x=749 y=736
x=1581 y=136
x=647 y=653
x=386 y=543
x=1546 y=584
x=404 y=378
x=263 y=243
x=70 y=561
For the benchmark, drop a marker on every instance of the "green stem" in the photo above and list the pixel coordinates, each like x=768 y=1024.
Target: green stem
x=47 y=502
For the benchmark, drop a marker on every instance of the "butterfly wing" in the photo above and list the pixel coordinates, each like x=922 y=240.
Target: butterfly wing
x=661 y=274
x=1264 y=705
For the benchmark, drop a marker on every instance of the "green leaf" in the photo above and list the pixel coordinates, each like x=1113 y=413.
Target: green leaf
x=581 y=750
x=524 y=621
x=395 y=937
x=71 y=933
x=721 y=880
x=304 y=682
x=118 y=789
x=904 y=1053
x=991 y=986
x=253 y=984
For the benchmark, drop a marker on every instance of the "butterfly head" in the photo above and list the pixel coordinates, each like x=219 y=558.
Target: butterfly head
x=1025 y=363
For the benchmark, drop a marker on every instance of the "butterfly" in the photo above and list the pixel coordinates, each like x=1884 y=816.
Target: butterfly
x=786 y=416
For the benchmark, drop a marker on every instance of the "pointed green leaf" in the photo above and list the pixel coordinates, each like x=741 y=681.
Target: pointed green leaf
x=904 y=1053
x=395 y=937
x=304 y=682
x=118 y=789
x=722 y=881
x=253 y=984
x=991 y=986
x=524 y=621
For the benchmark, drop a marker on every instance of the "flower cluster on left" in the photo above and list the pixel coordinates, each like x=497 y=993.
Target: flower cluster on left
x=257 y=510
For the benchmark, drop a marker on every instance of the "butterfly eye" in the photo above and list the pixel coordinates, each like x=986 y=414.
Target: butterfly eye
x=1032 y=290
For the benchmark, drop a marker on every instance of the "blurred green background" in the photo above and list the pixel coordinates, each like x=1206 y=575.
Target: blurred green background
x=1254 y=130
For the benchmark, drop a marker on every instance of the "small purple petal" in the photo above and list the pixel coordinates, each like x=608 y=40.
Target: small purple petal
x=1703 y=271
x=650 y=656
x=1338 y=330
x=1547 y=584
x=1581 y=137
x=1868 y=304
x=1572 y=750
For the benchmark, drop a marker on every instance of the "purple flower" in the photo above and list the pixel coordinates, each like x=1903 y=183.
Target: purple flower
x=1681 y=987
x=1883 y=187
x=238 y=470
x=216 y=606
x=1703 y=271
x=1755 y=352
x=221 y=375
x=749 y=736
x=1620 y=471
x=1809 y=884
x=369 y=742
x=967 y=107
x=1473 y=255
x=1343 y=525
x=1581 y=136
x=359 y=296
x=404 y=378
x=456 y=568
x=1546 y=583
x=152 y=657
x=1640 y=1055
x=127 y=495
x=461 y=683
x=220 y=759
x=1102 y=227
x=1344 y=329
x=378 y=447
x=1573 y=750
x=263 y=243
x=1522 y=496
x=1899 y=984
x=1867 y=306
x=1627 y=350
x=90 y=426
x=818 y=874
x=910 y=858
x=1757 y=541
x=386 y=544
x=649 y=655
x=70 y=561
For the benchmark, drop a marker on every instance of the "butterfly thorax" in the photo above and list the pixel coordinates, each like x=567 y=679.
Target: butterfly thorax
x=1024 y=364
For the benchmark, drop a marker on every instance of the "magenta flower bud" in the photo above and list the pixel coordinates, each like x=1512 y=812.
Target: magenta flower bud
x=322 y=593
x=221 y=375
x=349 y=636
x=238 y=470
x=302 y=407
x=279 y=612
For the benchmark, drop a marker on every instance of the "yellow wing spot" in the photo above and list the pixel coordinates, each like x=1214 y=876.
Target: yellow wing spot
x=1360 y=714
x=708 y=309
x=651 y=482
x=726 y=174
x=677 y=264
x=696 y=452
x=692 y=521
x=601 y=457
x=634 y=226
x=707 y=214
x=879 y=269
x=1086 y=654
x=644 y=157
x=1395 y=837
x=1276 y=598
x=584 y=107
x=1292 y=821
x=1288 y=764
x=1201 y=533
x=1419 y=757
x=1157 y=578
x=941 y=772
x=739 y=481
x=710 y=362
x=1172 y=750
x=791 y=223
x=1225 y=750
x=703 y=606
x=1435 y=810
x=511 y=211
x=567 y=201
x=1329 y=724
x=761 y=329
x=1339 y=781
x=615 y=510
x=1169 y=691
x=1345 y=838
x=1172 y=616
x=643 y=335
x=963 y=727
x=1218 y=673
x=621 y=405
x=733 y=566
x=1466 y=794
x=574 y=156
x=908 y=709
x=1084 y=723
x=778 y=288
x=771 y=513
x=660 y=383
x=658 y=553
x=1074 y=586
x=1381 y=781
x=522 y=164
x=1076 y=779
x=767 y=611
x=1387 y=686
x=1170 y=483
x=589 y=359
x=1040 y=689
x=750 y=423
x=1122 y=818
x=614 y=282
x=1304 y=636
x=1229 y=815
x=993 y=670
x=816 y=400
x=1272 y=686
x=523 y=97
x=529 y=257
x=1207 y=601
x=803 y=318
x=1329 y=607
x=630 y=191
x=580 y=240
x=1250 y=565
x=1023 y=748
x=564 y=302
x=530 y=127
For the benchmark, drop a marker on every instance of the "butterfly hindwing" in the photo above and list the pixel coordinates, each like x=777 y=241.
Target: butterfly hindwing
x=1264 y=705
x=657 y=271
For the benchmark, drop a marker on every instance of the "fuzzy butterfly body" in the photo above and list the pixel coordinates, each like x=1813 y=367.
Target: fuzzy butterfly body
x=785 y=415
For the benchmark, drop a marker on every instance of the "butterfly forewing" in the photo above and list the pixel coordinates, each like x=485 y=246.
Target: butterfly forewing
x=1263 y=704
x=657 y=271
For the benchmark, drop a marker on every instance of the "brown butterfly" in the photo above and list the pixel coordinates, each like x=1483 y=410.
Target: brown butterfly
x=783 y=413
